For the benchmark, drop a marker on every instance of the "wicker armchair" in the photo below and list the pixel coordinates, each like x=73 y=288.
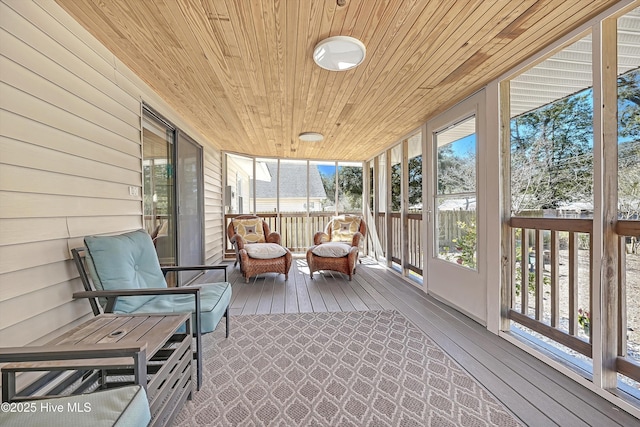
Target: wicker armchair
x=258 y=250
x=336 y=248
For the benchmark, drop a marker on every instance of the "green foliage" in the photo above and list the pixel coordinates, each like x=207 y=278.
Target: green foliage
x=629 y=105
x=350 y=187
x=415 y=183
x=584 y=320
x=552 y=156
x=552 y=153
x=466 y=244
x=456 y=173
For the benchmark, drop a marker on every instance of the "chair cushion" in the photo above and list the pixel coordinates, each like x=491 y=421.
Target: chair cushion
x=344 y=227
x=331 y=249
x=250 y=229
x=265 y=250
x=125 y=261
x=119 y=407
x=214 y=299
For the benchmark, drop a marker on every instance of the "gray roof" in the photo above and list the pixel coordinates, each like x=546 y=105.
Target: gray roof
x=293 y=182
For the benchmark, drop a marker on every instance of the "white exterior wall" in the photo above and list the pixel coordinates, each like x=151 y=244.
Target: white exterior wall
x=70 y=148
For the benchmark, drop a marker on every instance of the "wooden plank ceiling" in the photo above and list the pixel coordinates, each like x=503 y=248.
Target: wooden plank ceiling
x=242 y=72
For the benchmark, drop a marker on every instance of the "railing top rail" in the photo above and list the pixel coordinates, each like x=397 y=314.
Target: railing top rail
x=577 y=225
x=286 y=214
x=628 y=228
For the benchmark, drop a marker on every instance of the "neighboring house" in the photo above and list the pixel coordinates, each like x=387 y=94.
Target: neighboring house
x=293 y=186
x=293 y=189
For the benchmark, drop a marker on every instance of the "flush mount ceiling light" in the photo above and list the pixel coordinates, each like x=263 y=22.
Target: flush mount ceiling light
x=339 y=53
x=311 y=136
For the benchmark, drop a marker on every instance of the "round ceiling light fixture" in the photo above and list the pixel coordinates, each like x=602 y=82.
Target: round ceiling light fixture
x=339 y=53
x=311 y=136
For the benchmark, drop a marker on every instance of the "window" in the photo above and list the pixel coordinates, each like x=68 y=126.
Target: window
x=455 y=195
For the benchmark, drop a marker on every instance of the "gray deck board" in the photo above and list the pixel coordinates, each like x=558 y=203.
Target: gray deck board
x=536 y=393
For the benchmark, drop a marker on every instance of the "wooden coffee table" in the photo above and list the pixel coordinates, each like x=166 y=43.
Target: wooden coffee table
x=111 y=350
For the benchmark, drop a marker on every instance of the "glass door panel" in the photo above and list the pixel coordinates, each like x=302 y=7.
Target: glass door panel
x=190 y=206
x=455 y=200
x=159 y=193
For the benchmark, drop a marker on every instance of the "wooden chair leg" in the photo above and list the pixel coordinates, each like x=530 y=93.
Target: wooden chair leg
x=226 y=315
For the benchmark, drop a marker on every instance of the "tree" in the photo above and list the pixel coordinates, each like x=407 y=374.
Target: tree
x=414 y=184
x=629 y=105
x=552 y=150
x=415 y=181
x=349 y=187
x=552 y=154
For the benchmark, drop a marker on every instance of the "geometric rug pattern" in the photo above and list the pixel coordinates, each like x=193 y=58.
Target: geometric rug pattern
x=366 y=368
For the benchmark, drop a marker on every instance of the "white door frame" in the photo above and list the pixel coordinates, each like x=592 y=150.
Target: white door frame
x=460 y=287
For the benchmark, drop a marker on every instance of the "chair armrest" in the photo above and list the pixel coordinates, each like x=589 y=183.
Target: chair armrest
x=237 y=240
x=320 y=237
x=355 y=240
x=136 y=292
x=113 y=294
x=274 y=237
x=167 y=269
x=70 y=352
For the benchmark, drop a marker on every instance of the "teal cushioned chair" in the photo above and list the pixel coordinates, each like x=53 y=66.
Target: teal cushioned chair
x=118 y=407
x=124 y=275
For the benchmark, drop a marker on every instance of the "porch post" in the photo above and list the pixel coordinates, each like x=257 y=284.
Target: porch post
x=404 y=206
x=366 y=191
x=388 y=219
x=508 y=258
x=605 y=173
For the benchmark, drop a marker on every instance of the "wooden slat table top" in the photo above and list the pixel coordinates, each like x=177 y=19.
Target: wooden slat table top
x=152 y=329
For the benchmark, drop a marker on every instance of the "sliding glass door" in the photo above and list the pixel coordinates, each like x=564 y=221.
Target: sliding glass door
x=173 y=199
x=159 y=192
x=190 y=206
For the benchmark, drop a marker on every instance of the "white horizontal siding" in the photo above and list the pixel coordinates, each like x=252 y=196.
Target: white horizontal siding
x=213 y=209
x=70 y=144
x=70 y=148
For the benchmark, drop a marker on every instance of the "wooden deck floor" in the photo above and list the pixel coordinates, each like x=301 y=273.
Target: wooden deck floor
x=534 y=392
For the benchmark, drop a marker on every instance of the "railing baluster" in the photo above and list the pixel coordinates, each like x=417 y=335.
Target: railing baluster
x=573 y=283
x=622 y=300
x=524 y=269
x=591 y=290
x=539 y=275
x=555 y=279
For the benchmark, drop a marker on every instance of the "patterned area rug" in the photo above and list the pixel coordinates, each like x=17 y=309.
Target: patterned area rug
x=371 y=368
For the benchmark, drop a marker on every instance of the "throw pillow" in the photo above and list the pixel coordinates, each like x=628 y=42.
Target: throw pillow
x=343 y=228
x=250 y=230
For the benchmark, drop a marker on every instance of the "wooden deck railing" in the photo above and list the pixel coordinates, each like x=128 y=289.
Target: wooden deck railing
x=530 y=254
x=414 y=256
x=627 y=230
x=296 y=228
x=528 y=272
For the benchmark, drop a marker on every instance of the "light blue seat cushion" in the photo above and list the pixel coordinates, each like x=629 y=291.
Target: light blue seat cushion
x=214 y=300
x=119 y=407
x=125 y=261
